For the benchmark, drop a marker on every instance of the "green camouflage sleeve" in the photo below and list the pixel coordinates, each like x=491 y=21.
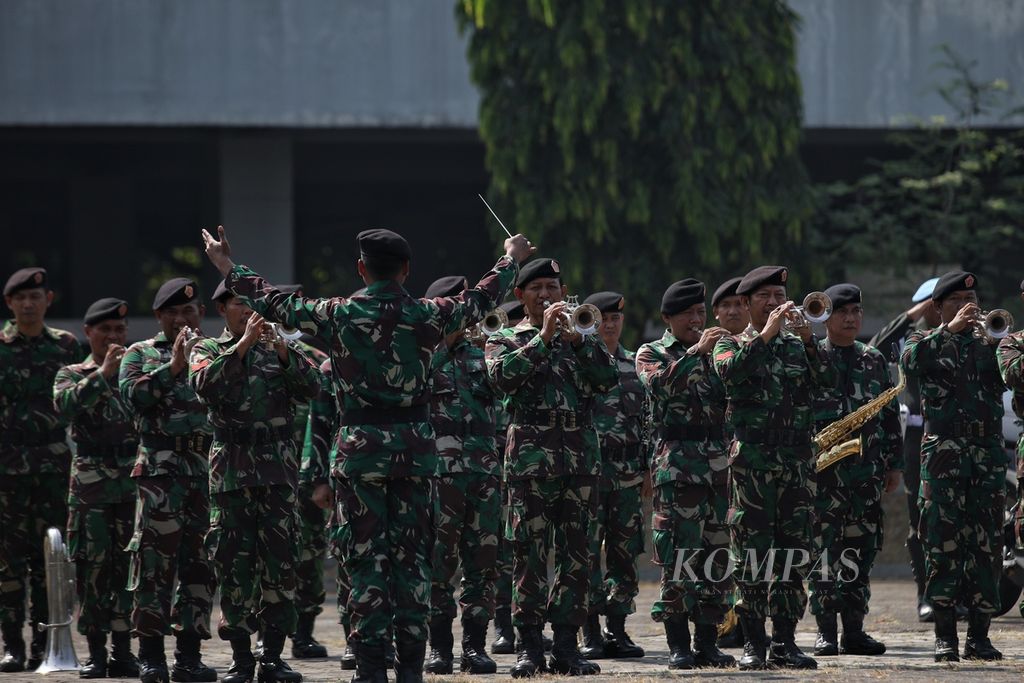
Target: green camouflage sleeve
x=823 y=374
x=1010 y=355
x=217 y=375
x=74 y=393
x=736 y=360
x=143 y=389
x=597 y=365
x=509 y=367
x=922 y=351
x=889 y=424
x=301 y=376
x=660 y=377
x=320 y=429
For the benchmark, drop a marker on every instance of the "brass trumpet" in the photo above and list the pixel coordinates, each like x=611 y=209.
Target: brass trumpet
x=816 y=308
x=584 y=318
x=991 y=326
x=493 y=322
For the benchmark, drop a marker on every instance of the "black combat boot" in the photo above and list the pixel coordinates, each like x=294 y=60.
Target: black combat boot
x=409 y=660
x=348 y=657
x=243 y=662
x=273 y=669
x=705 y=647
x=188 y=664
x=947 y=645
x=504 y=637
x=530 y=661
x=855 y=641
x=441 y=660
x=304 y=645
x=96 y=665
x=677 y=633
x=593 y=641
x=565 y=653
x=784 y=651
x=122 y=662
x=152 y=662
x=827 y=643
x=474 y=649
x=36 y=648
x=733 y=637
x=977 y=645
x=755 y=647
x=14 y=649
x=370 y=665
x=617 y=643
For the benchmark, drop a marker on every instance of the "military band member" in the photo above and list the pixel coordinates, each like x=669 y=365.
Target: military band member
x=172 y=512
x=381 y=343
x=770 y=376
x=550 y=375
x=34 y=459
x=1011 y=366
x=963 y=467
x=468 y=486
x=619 y=528
x=730 y=309
x=849 y=520
x=690 y=473
x=101 y=500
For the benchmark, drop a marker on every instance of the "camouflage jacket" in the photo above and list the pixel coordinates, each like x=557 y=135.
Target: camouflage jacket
x=862 y=373
x=770 y=387
x=251 y=402
x=381 y=344
x=549 y=390
x=301 y=418
x=1011 y=367
x=162 y=405
x=502 y=420
x=684 y=391
x=619 y=419
x=959 y=379
x=319 y=444
x=33 y=437
x=103 y=431
x=462 y=410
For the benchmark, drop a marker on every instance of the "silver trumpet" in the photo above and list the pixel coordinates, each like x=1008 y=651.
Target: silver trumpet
x=60 y=595
x=584 y=318
x=493 y=322
x=991 y=326
x=816 y=308
x=274 y=331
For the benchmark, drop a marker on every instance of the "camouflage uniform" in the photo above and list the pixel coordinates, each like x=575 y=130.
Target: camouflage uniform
x=690 y=474
x=381 y=344
x=849 y=498
x=619 y=526
x=503 y=567
x=963 y=466
x=769 y=386
x=172 y=513
x=102 y=497
x=34 y=465
x=1011 y=366
x=254 y=464
x=552 y=463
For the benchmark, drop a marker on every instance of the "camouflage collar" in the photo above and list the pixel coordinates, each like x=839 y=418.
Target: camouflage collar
x=388 y=288
x=668 y=339
x=89 y=363
x=160 y=338
x=525 y=325
x=11 y=332
x=225 y=337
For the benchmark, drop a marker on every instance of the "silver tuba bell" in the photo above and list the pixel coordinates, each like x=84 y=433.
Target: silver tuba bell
x=60 y=595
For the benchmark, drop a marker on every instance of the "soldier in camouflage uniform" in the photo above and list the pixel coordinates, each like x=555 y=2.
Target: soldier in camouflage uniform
x=770 y=376
x=729 y=308
x=963 y=467
x=34 y=459
x=381 y=343
x=172 y=513
x=690 y=472
x=849 y=520
x=550 y=377
x=1010 y=355
x=468 y=485
x=618 y=528
x=101 y=502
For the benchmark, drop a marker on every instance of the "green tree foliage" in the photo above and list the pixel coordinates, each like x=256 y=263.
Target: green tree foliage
x=642 y=141
x=953 y=194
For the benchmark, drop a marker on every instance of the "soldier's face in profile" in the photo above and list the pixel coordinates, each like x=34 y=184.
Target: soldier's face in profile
x=843 y=326
x=765 y=300
x=733 y=313
x=688 y=325
x=538 y=291
x=104 y=333
x=953 y=302
x=173 y=319
x=236 y=314
x=611 y=329
x=29 y=305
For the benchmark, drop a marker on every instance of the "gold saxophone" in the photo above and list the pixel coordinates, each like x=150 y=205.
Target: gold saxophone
x=833 y=441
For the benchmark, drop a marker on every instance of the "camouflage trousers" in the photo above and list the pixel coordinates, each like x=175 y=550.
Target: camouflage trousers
x=312 y=538
x=541 y=511
x=467 y=534
x=251 y=543
x=338 y=539
x=172 y=516
x=962 y=494
x=912 y=484
x=98 y=536
x=619 y=530
x=847 y=530
x=29 y=505
x=387 y=554
x=503 y=567
x=688 y=525
x=772 y=510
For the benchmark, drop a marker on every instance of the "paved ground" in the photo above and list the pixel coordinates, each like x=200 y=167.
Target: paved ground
x=893 y=619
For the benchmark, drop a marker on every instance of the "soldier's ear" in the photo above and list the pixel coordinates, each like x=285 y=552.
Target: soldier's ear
x=49 y=297
x=518 y=292
x=202 y=310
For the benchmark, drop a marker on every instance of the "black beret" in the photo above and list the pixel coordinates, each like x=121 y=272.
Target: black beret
x=607 y=302
x=681 y=295
x=383 y=245
x=290 y=289
x=953 y=281
x=450 y=285
x=538 y=267
x=26 y=278
x=762 y=276
x=843 y=294
x=222 y=292
x=106 y=309
x=514 y=309
x=174 y=292
x=725 y=290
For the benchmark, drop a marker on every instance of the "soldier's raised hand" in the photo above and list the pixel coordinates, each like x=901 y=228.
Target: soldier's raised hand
x=709 y=338
x=218 y=250
x=112 y=361
x=518 y=248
